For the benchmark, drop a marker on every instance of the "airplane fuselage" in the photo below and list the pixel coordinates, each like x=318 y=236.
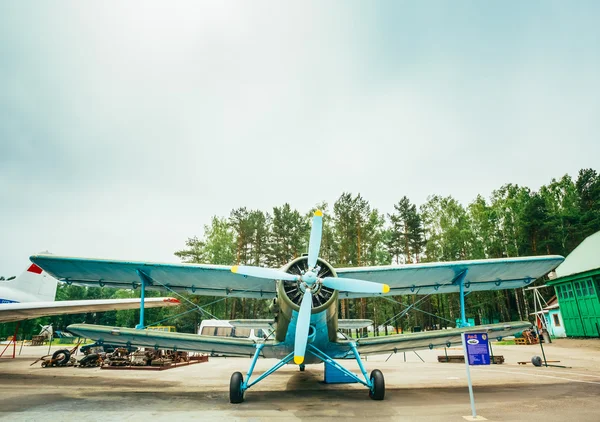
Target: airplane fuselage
x=12 y=295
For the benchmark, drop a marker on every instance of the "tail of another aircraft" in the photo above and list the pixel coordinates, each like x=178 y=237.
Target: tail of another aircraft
x=35 y=283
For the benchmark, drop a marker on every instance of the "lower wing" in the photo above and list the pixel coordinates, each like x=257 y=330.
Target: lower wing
x=227 y=346
x=430 y=339
x=10 y=312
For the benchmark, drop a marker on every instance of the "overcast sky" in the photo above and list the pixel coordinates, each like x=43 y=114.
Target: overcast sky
x=124 y=126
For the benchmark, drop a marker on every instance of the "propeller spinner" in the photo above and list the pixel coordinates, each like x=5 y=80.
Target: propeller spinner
x=310 y=281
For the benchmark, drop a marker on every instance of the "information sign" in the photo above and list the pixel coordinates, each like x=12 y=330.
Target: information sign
x=477 y=348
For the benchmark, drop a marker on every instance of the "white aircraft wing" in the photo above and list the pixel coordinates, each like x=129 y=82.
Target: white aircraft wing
x=10 y=312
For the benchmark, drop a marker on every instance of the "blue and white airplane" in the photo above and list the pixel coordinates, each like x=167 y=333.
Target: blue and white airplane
x=31 y=295
x=304 y=295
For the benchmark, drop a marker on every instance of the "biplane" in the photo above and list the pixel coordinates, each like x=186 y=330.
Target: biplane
x=304 y=297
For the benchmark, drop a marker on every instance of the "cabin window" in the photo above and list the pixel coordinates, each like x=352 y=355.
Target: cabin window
x=208 y=331
x=556 y=320
x=242 y=332
x=224 y=331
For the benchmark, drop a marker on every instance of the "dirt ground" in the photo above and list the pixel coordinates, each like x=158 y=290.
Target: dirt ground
x=415 y=390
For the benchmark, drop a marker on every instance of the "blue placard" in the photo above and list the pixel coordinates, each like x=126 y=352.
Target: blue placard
x=477 y=348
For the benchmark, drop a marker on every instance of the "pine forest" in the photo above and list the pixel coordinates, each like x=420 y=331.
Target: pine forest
x=514 y=221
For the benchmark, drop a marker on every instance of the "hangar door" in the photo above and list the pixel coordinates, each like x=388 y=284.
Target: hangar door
x=569 y=310
x=589 y=306
x=580 y=307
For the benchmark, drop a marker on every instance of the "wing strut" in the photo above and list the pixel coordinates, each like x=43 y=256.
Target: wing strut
x=144 y=279
x=460 y=280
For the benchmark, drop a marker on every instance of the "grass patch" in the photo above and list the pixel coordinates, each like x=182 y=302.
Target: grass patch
x=504 y=343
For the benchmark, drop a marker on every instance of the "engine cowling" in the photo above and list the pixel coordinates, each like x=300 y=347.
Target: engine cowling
x=321 y=296
x=290 y=296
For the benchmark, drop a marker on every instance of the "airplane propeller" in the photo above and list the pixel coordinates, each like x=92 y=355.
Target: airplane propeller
x=314 y=244
x=310 y=281
x=302 y=327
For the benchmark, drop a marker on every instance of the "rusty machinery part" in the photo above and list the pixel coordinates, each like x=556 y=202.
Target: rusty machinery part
x=177 y=356
x=162 y=361
x=120 y=352
x=117 y=361
x=142 y=358
x=47 y=363
x=91 y=360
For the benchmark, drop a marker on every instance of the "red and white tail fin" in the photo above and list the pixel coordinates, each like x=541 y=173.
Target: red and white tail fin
x=36 y=284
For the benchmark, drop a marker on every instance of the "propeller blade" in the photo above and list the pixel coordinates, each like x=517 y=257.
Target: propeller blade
x=302 y=326
x=263 y=273
x=354 y=286
x=315 y=239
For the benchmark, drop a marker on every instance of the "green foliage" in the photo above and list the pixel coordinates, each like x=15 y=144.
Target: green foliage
x=514 y=221
x=288 y=236
x=405 y=241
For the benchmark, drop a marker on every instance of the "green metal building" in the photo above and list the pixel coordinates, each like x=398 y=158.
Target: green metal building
x=577 y=286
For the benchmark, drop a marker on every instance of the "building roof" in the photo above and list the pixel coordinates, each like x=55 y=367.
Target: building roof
x=550 y=305
x=585 y=257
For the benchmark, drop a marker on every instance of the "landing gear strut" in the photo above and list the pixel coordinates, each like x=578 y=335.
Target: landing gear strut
x=237 y=385
x=375 y=383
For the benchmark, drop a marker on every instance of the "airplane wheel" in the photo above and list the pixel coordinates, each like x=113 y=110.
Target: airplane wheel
x=236 y=395
x=302 y=368
x=378 y=390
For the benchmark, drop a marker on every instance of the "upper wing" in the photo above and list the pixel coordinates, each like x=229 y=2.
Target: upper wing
x=431 y=339
x=227 y=346
x=208 y=280
x=441 y=277
x=19 y=311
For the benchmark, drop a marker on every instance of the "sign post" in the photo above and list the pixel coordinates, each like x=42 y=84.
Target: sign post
x=475 y=346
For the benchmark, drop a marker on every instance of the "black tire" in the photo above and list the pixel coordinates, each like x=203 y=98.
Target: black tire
x=236 y=395
x=302 y=368
x=536 y=361
x=61 y=357
x=378 y=390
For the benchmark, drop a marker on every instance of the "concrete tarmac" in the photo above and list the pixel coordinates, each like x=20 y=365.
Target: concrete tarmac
x=415 y=390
